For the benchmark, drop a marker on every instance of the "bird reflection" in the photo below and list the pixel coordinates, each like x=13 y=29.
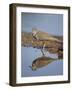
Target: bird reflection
x=41 y=62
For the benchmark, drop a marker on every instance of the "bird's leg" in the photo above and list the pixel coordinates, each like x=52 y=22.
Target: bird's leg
x=42 y=50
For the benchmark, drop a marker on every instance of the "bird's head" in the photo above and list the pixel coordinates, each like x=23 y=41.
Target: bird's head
x=34 y=31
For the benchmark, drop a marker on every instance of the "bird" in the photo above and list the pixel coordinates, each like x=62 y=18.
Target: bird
x=40 y=35
x=54 y=42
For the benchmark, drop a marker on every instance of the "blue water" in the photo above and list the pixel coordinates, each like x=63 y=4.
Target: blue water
x=29 y=54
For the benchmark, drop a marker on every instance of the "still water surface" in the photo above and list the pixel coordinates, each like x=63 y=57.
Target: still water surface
x=29 y=54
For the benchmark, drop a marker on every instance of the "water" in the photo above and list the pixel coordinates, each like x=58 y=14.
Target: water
x=29 y=54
